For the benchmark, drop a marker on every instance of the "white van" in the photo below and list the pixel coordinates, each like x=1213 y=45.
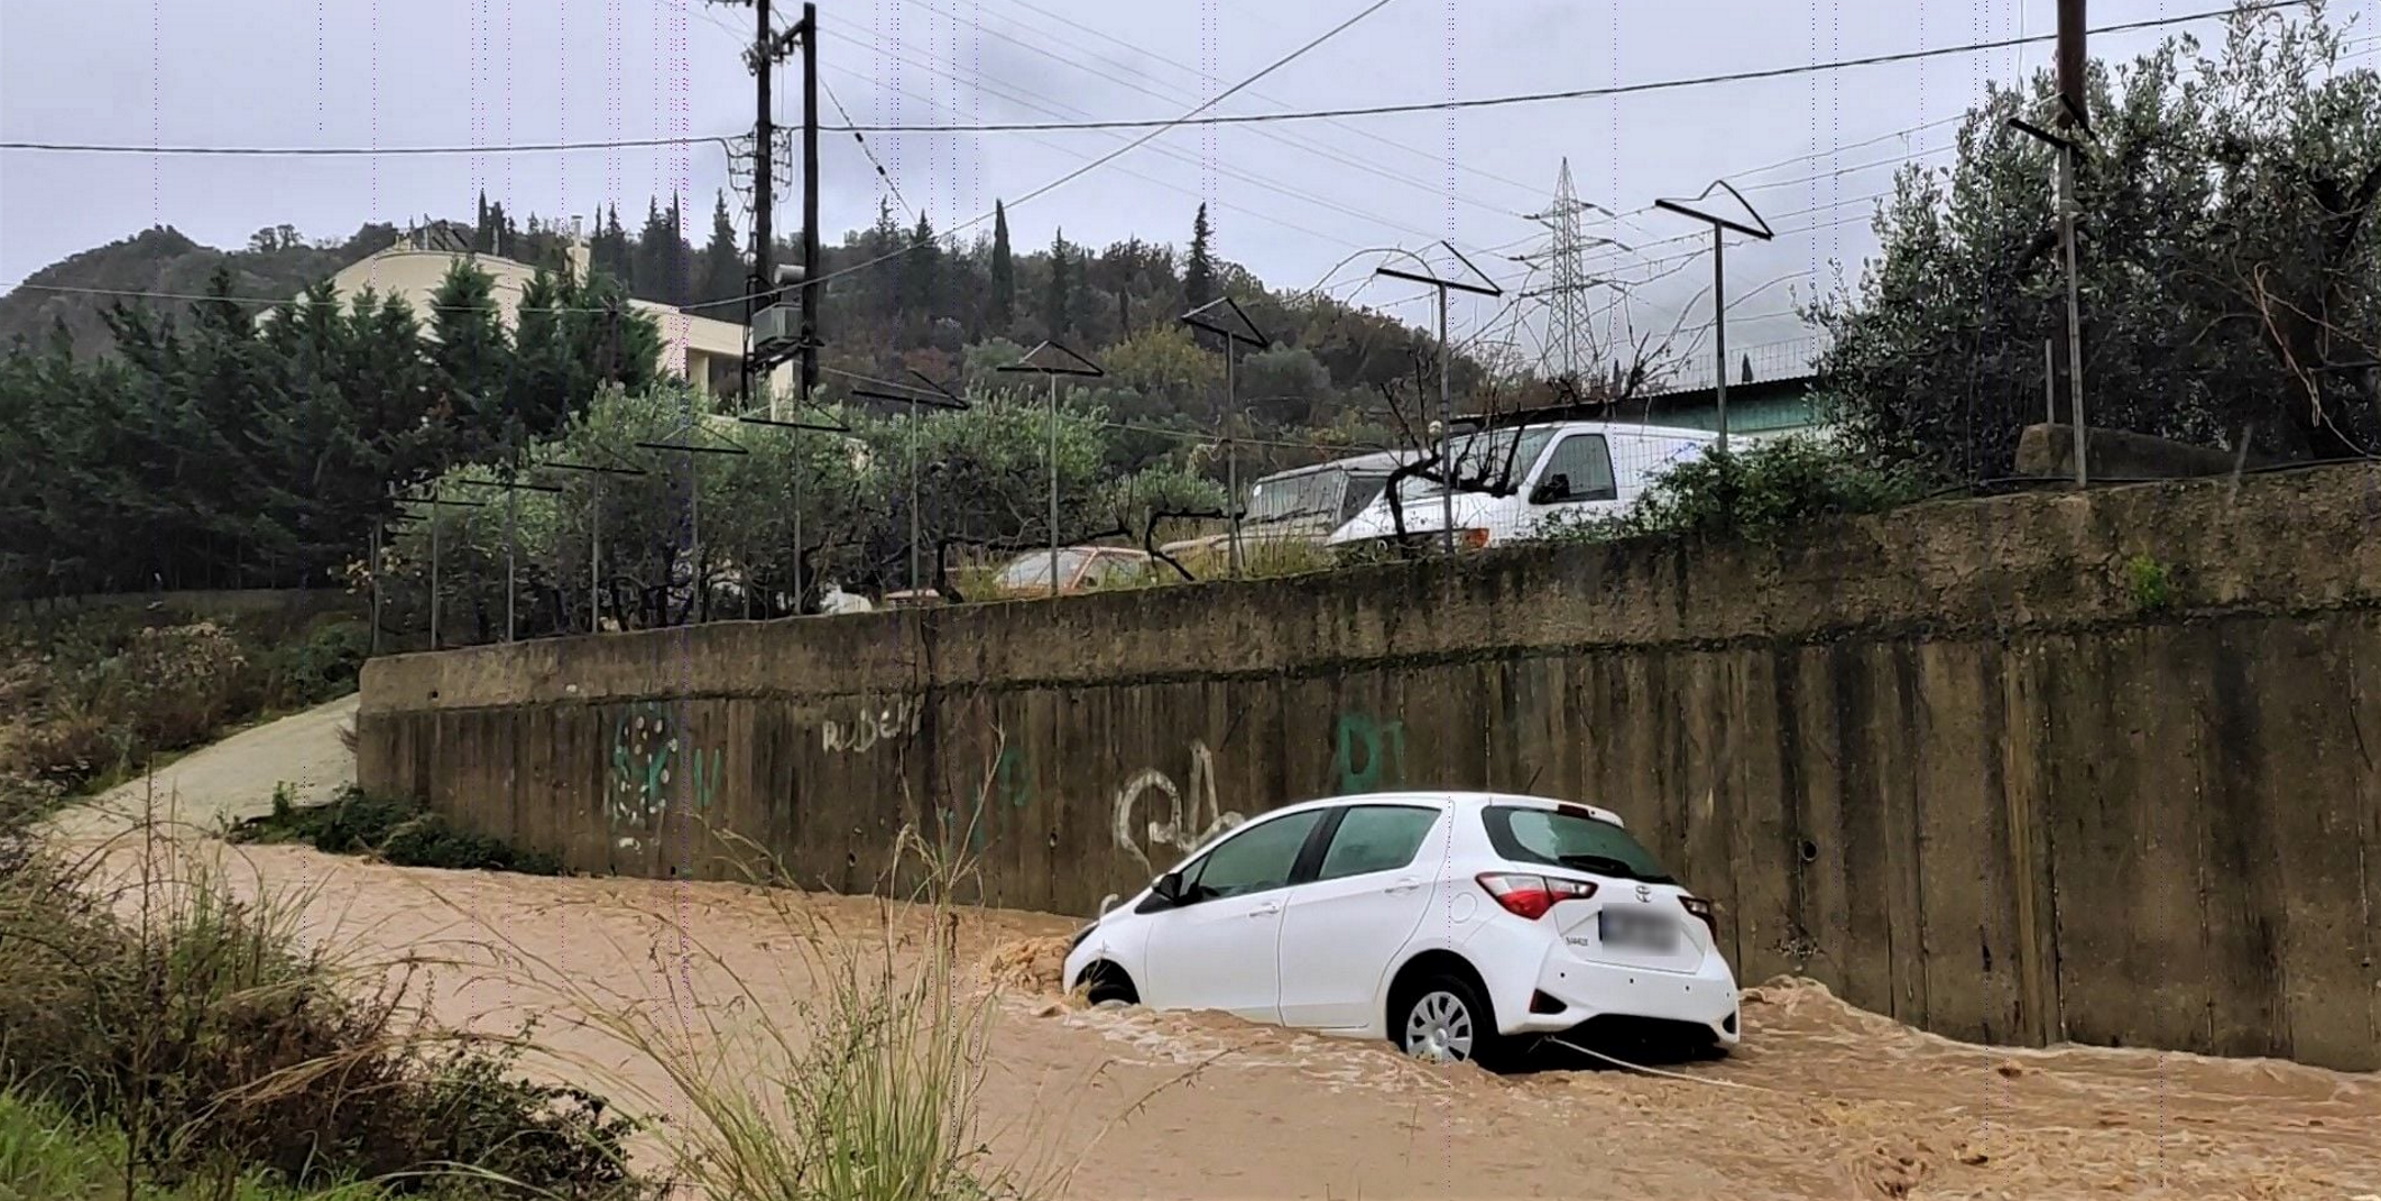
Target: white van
x=1512 y=480
x=1301 y=505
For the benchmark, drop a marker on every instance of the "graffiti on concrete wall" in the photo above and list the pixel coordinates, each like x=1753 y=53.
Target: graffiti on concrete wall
x=1165 y=822
x=1011 y=782
x=1367 y=755
x=649 y=758
x=643 y=750
x=863 y=730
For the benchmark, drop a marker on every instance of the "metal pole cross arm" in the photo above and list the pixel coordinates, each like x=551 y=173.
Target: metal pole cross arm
x=2067 y=148
x=1720 y=227
x=1051 y=359
x=1487 y=287
x=1224 y=318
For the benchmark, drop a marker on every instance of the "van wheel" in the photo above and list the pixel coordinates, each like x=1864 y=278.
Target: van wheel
x=1443 y=1019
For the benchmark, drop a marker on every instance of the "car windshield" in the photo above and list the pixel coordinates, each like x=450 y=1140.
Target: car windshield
x=1483 y=460
x=1570 y=839
x=1033 y=571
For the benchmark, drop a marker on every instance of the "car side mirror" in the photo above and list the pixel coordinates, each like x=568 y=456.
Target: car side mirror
x=1551 y=489
x=1168 y=888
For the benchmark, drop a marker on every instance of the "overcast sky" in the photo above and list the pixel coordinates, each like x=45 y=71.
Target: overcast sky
x=1290 y=200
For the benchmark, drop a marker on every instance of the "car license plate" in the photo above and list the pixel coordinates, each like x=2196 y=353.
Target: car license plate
x=1637 y=930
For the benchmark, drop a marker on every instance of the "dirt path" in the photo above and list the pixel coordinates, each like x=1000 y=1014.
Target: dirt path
x=1823 y=1101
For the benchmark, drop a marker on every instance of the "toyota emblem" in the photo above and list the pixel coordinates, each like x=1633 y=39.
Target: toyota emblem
x=1644 y=894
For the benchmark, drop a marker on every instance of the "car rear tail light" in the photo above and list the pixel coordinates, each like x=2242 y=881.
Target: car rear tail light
x=1531 y=896
x=1475 y=538
x=1702 y=910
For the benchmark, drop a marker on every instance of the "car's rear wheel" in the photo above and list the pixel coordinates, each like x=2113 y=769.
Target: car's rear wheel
x=1444 y=1020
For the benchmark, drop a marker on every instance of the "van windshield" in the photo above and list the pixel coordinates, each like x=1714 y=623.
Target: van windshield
x=1570 y=839
x=1489 y=459
x=1314 y=494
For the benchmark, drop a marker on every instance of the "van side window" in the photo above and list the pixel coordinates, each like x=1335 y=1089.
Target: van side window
x=1579 y=469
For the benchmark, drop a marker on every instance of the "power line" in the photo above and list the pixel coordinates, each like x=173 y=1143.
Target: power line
x=723 y=141
x=1195 y=73
x=1152 y=180
x=881 y=173
x=1030 y=99
x=1176 y=95
x=1127 y=148
x=1627 y=89
x=1197 y=116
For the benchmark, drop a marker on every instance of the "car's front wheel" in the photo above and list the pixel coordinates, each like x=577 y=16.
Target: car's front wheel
x=1445 y=1020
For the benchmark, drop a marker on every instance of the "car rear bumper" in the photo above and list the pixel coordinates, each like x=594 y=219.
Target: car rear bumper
x=1585 y=991
x=1537 y=985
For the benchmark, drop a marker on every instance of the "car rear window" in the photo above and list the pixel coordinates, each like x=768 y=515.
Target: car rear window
x=1561 y=838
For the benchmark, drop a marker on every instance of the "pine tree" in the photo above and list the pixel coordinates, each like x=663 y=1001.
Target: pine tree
x=1198 y=275
x=884 y=240
x=470 y=354
x=650 y=275
x=609 y=250
x=1004 y=273
x=1058 y=308
x=921 y=270
x=723 y=266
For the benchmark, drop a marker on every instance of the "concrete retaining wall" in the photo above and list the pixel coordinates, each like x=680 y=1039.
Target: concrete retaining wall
x=2036 y=768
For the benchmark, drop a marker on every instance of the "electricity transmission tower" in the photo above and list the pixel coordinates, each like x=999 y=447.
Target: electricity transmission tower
x=1570 y=347
x=1567 y=339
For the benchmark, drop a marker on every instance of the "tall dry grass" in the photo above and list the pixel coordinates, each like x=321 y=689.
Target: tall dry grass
x=853 y=1073
x=149 y=994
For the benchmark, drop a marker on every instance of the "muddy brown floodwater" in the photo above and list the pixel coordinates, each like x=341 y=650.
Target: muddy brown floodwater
x=1822 y=1100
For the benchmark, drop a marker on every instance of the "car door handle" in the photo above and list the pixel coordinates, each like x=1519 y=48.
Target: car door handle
x=1269 y=910
x=1402 y=887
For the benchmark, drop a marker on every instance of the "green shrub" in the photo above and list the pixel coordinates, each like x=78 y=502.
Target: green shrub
x=1756 y=495
x=319 y=667
x=46 y=1154
x=197 y=1025
x=2152 y=583
x=170 y=686
x=397 y=830
x=88 y=695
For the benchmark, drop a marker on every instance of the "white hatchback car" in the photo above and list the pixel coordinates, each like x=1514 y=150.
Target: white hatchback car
x=1457 y=926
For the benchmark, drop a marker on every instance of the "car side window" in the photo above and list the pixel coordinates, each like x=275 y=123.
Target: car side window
x=1579 y=469
x=1111 y=570
x=1255 y=859
x=1376 y=838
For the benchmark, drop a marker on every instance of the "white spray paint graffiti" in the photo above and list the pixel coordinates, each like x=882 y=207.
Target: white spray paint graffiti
x=899 y=720
x=1184 y=832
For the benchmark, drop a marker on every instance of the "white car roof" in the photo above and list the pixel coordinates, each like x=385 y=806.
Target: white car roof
x=1467 y=801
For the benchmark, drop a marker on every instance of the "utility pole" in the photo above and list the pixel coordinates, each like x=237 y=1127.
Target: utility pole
x=1447 y=466
x=1239 y=330
x=769 y=48
x=810 y=280
x=1050 y=360
x=2071 y=124
x=1719 y=278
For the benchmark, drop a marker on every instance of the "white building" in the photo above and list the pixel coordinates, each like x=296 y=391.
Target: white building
x=703 y=349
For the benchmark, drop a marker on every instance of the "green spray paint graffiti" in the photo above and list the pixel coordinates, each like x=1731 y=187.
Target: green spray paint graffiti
x=1011 y=781
x=1368 y=755
x=642 y=748
x=646 y=753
